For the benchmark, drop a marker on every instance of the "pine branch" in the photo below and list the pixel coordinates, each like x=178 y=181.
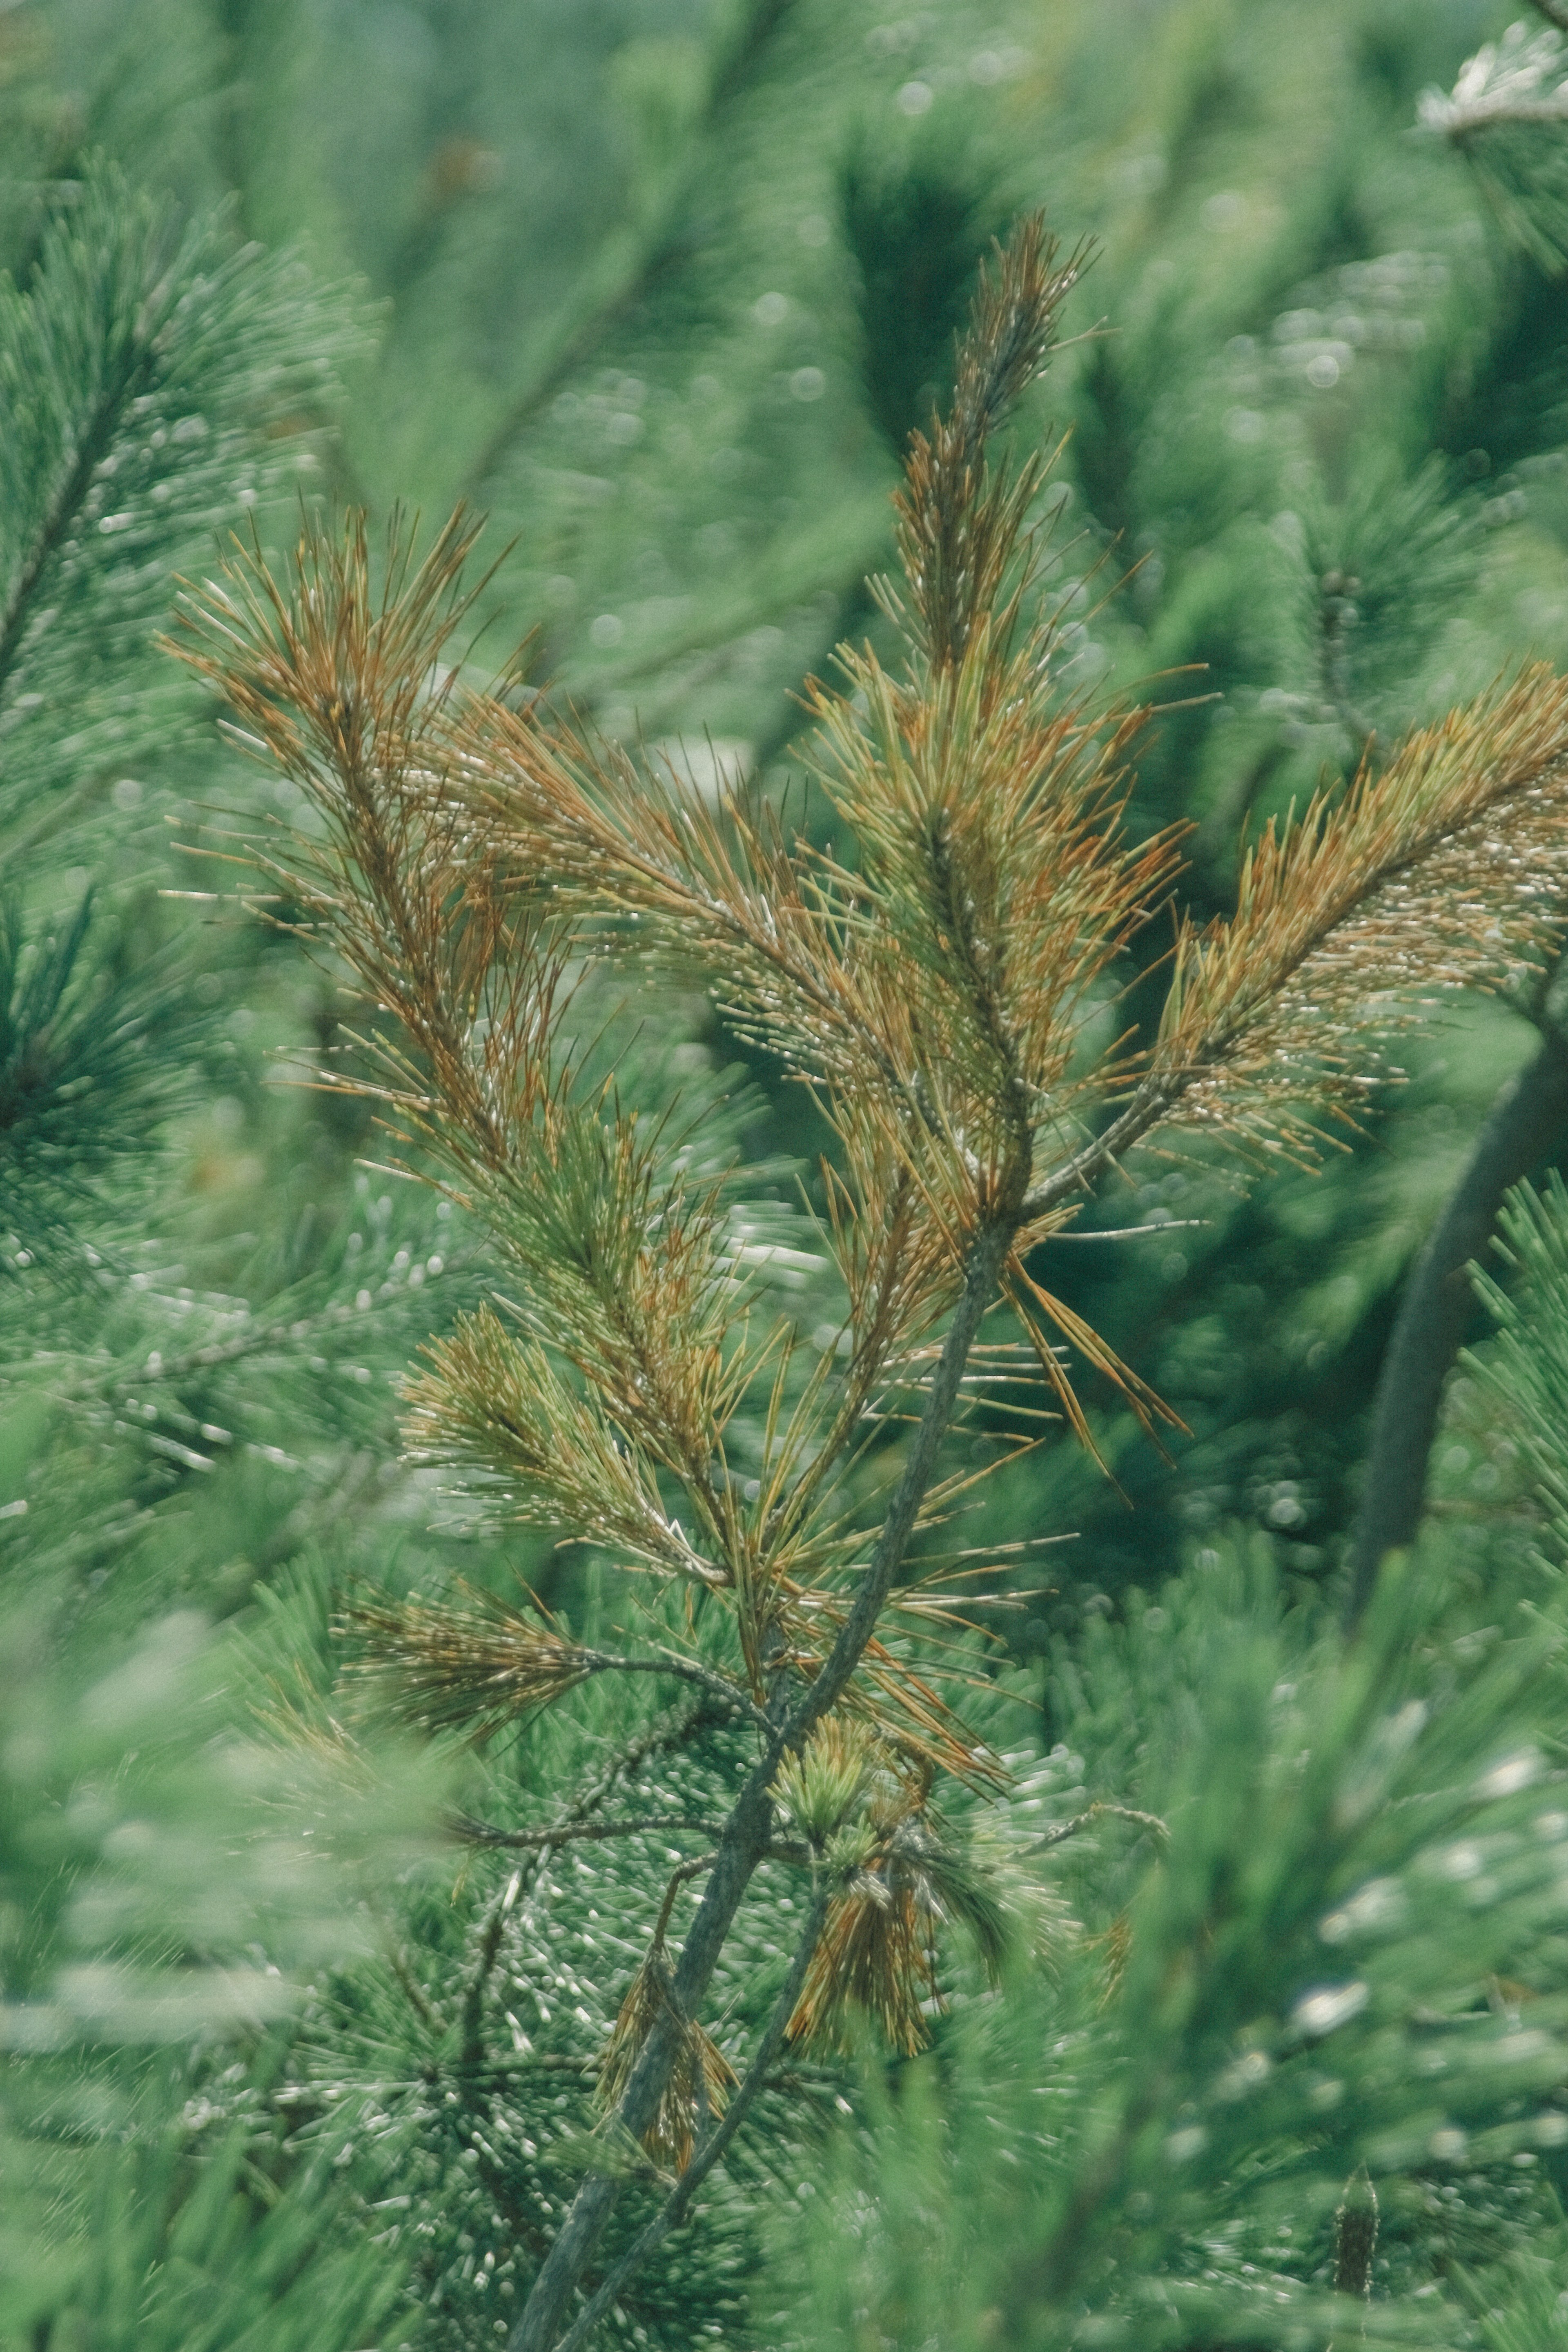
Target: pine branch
x=475 y=855
x=1442 y=871
x=150 y=370
x=747 y=1831
x=709 y=2153
x=477 y=1668
x=1525 y=1121
x=91 y=1059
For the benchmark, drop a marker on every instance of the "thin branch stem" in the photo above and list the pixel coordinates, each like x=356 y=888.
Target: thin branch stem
x=987 y=1257
x=1147 y=1108
x=686 y=1670
x=678 y=1878
x=413 y=1989
x=713 y=2147
x=473 y=2010
x=474 y=1833
x=1064 y=1830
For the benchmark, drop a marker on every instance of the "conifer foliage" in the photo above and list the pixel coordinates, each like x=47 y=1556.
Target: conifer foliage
x=947 y=987
x=144 y=369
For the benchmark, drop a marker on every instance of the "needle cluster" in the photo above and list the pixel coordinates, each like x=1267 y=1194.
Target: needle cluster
x=474 y=855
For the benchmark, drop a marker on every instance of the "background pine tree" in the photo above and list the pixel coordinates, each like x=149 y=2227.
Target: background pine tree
x=663 y=288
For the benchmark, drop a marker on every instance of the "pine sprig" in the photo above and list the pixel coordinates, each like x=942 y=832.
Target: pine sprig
x=142 y=373
x=476 y=1666
x=1443 y=872
x=89 y=1063
x=475 y=851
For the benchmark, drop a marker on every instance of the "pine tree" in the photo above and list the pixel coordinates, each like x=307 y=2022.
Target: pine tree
x=477 y=855
x=761 y=235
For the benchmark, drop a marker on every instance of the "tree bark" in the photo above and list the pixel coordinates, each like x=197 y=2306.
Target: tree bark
x=1521 y=1126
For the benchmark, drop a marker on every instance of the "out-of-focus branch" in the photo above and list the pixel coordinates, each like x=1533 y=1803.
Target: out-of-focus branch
x=1524 y=1122
x=473 y=1832
x=660 y=249
x=1520 y=79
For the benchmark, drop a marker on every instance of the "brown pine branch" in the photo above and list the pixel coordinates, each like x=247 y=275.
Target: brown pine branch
x=476 y=856
x=477 y=1667
x=748 y=1829
x=1442 y=871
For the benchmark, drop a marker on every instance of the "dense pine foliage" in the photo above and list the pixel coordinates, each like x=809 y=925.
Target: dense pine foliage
x=1187 y=1960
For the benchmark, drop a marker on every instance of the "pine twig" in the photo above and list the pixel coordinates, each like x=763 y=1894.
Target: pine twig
x=712 y=2146
x=678 y=1879
x=475 y=1832
x=473 y=2010
x=1065 y=1830
x=686 y=1670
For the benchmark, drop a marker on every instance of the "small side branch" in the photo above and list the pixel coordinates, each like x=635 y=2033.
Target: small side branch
x=713 y=2147
x=474 y=1833
x=1147 y=1108
x=1064 y=1830
x=686 y=1670
x=678 y=1879
x=473 y=2011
